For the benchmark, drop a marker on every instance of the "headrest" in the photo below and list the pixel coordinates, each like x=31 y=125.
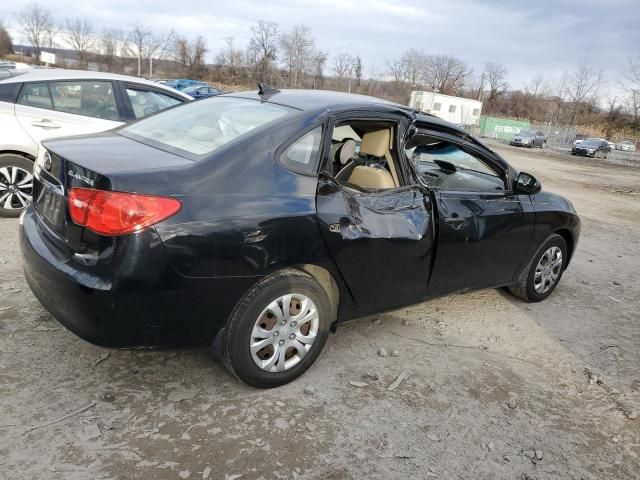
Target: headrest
x=376 y=143
x=347 y=151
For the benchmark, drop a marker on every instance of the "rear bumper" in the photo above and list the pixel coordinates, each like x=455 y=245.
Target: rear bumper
x=133 y=298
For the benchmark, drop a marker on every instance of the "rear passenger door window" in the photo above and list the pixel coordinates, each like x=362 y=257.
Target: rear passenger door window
x=88 y=98
x=147 y=102
x=36 y=95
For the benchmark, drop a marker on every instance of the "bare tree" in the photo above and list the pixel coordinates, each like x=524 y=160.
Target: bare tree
x=111 y=45
x=79 y=35
x=413 y=63
x=145 y=45
x=298 y=48
x=319 y=61
x=343 y=68
x=262 y=50
x=137 y=42
x=37 y=26
x=496 y=75
x=582 y=87
x=6 y=44
x=191 y=55
x=396 y=69
x=631 y=84
x=231 y=57
x=445 y=73
x=357 y=70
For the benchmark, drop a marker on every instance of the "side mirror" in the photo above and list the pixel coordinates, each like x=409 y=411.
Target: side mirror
x=527 y=184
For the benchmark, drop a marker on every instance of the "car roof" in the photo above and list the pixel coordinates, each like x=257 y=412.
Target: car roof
x=308 y=100
x=49 y=74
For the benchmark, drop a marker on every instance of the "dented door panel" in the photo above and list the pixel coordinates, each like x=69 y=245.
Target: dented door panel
x=381 y=242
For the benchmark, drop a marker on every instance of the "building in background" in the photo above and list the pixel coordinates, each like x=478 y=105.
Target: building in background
x=461 y=111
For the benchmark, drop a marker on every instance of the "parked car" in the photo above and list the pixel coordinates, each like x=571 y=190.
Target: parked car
x=592 y=147
x=202 y=92
x=626 y=146
x=42 y=104
x=529 y=139
x=182 y=83
x=250 y=221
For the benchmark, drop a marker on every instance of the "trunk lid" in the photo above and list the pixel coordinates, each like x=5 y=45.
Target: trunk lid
x=104 y=161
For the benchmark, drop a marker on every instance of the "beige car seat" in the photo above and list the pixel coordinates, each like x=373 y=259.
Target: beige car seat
x=375 y=144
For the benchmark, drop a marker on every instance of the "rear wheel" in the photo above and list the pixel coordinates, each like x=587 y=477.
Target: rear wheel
x=277 y=330
x=543 y=272
x=16 y=184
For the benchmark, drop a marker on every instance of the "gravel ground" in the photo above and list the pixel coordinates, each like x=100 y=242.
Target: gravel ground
x=492 y=388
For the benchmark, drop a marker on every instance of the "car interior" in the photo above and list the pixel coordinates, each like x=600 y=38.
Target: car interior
x=363 y=155
x=448 y=166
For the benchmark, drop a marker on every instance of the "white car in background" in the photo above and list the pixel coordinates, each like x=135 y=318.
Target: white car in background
x=626 y=146
x=47 y=103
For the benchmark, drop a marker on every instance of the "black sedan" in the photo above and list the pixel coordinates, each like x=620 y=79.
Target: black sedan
x=264 y=219
x=592 y=147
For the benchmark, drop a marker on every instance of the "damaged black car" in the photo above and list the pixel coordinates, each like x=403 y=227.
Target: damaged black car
x=256 y=222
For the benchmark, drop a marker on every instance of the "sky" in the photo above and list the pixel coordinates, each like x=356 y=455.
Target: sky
x=535 y=37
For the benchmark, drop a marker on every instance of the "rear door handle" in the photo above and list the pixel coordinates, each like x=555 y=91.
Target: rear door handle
x=45 y=123
x=455 y=220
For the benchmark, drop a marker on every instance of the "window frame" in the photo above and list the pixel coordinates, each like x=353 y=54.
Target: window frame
x=312 y=171
x=469 y=148
x=400 y=125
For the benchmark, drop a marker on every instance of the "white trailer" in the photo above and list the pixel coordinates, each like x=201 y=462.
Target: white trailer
x=458 y=110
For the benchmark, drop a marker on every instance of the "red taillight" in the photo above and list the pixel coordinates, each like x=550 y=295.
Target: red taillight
x=118 y=213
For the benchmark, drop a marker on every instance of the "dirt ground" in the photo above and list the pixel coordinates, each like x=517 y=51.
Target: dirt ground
x=495 y=388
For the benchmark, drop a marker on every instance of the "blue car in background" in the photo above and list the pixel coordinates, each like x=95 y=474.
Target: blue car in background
x=202 y=91
x=182 y=83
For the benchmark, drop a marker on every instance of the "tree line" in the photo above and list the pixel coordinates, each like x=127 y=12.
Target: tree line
x=291 y=58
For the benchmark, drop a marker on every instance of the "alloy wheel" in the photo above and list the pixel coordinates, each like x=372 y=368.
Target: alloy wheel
x=284 y=332
x=548 y=270
x=16 y=188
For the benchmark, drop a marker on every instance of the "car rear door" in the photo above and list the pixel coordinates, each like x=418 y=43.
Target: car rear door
x=57 y=109
x=381 y=241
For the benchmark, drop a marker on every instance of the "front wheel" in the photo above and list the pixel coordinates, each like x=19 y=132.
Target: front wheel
x=16 y=184
x=277 y=330
x=544 y=271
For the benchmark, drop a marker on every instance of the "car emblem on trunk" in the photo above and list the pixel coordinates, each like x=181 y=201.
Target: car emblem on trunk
x=47 y=161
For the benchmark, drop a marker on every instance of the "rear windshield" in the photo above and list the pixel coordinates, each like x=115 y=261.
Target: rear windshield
x=201 y=127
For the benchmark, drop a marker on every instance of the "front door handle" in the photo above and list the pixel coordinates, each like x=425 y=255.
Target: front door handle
x=45 y=123
x=454 y=220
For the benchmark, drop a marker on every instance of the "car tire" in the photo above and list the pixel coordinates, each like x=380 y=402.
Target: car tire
x=531 y=144
x=10 y=201
x=257 y=307
x=529 y=286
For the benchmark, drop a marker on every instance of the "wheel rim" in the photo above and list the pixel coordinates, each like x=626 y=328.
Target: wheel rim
x=548 y=270
x=16 y=188
x=284 y=333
